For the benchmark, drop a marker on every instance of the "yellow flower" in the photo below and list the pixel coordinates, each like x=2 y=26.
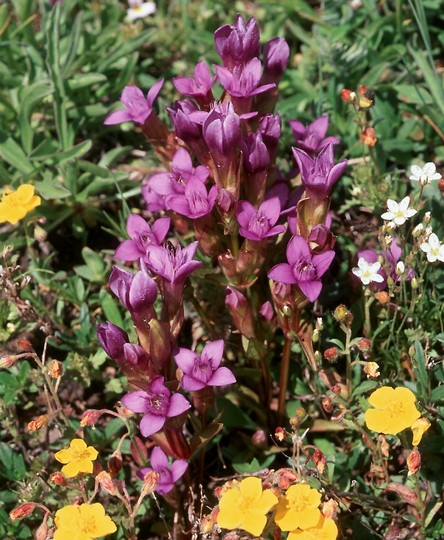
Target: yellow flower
x=325 y=530
x=419 y=428
x=299 y=508
x=394 y=410
x=16 y=204
x=78 y=458
x=83 y=522
x=244 y=506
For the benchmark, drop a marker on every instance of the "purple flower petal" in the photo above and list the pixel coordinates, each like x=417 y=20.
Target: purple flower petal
x=136 y=401
x=221 y=377
x=297 y=249
x=151 y=423
x=185 y=359
x=311 y=289
x=158 y=458
x=322 y=261
x=190 y=384
x=127 y=251
x=178 y=468
x=160 y=228
x=136 y=225
x=117 y=117
x=178 y=405
x=213 y=352
x=282 y=272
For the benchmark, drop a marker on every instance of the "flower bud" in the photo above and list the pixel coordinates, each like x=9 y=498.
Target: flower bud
x=259 y=438
x=418 y=230
x=330 y=509
x=382 y=297
x=55 y=369
x=400 y=268
x=414 y=461
x=287 y=311
x=280 y=434
x=383 y=445
x=22 y=511
x=315 y=336
x=331 y=354
x=364 y=345
x=327 y=404
x=7 y=361
x=414 y=283
x=24 y=344
x=319 y=460
x=343 y=315
x=107 y=483
x=419 y=428
x=390 y=226
x=427 y=217
x=348 y=96
x=115 y=464
x=319 y=324
x=336 y=389
x=368 y=137
x=40 y=234
x=42 y=532
x=150 y=482
x=371 y=369
x=90 y=417
x=57 y=478
x=298 y=417
x=412 y=351
x=38 y=422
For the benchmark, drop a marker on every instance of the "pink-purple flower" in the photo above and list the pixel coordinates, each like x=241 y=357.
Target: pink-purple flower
x=199 y=86
x=237 y=44
x=303 y=268
x=243 y=81
x=137 y=107
x=142 y=235
x=312 y=138
x=318 y=174
x=203 y=370
x=257 y=224
x=157 y=404
x=169 y=473
x=195 y=202
x=173 y=264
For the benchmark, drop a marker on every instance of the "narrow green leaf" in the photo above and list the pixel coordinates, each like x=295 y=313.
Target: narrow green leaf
x=13 y=154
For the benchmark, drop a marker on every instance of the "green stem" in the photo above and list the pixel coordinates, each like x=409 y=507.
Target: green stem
x=283 y=379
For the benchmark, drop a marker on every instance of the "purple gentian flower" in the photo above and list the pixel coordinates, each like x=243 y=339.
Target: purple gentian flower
x=157 y=404
x=174 y=182
x=201 y=371
x=112 y=339
x=184 y=125
x=243 y=81
x=319 y=173
x=195 y=202
x=312 y=138
x=257 y=224
x=137 y=292
x=255 y=153
x=137 y=107
x=169 y=473
x=270 y=129
x=240 y=312
x=276 y=54
x=237 y=44
x=173 y=264
x=142 y=236
x=267 y=311
x=199 y=86
x=222 y=133
x=302 y=268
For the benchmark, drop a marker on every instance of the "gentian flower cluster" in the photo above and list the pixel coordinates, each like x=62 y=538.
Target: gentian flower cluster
x=220 y=183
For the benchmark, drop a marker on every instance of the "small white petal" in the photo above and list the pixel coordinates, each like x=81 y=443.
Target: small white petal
x=404 y=204
x=425 y=247
x=392 y=205
x=388 y=216
x=429 y=168
x=378 y=278
x=399 y=220
x=433 y=241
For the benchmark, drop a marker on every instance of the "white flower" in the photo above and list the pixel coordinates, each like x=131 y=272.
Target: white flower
x=418 y=230
x=140 y=10
x=398 y=213
x=425 y=175
x=367 y=272
x=400 y=268
x=433 y=248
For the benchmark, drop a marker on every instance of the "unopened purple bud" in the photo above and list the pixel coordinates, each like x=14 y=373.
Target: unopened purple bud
x=112 y=340
x=255 y=153
x=320 y=238
x=225 y=200
x=267 y=311
x=237 y=44
x=312 y=138
x=276 y=54
x=240 y=312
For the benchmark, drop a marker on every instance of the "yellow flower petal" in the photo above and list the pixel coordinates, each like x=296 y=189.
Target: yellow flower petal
x=75 y=467
x=77 y=458
x=84 y=522
x=299 y=508
x=377 y=420
x=254 y=523
x=267 y=501
x=16 y=204
x=230 y=515
x=325 y=529
x=251 y=488
x=419 y=428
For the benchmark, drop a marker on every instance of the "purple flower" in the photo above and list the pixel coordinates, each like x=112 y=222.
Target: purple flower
x=270 y=129
x=199 y=86
x=257 y=224
x=156 y=403
x=185 y=127
x=255 y=153
x=195 y=202
x=243 y=81
x=319 y=173
x=169 y=473
x=312 y=138
x=137 y=107
x=182 y=170
x=112 y=339
x=276 y=54
x=240 y=312
x=201 y=371
x=222 y=133
x=302 y=268
x=173 y=264
x=142 y=236
x=237 y=44
x=267 y=311
x=137 y=292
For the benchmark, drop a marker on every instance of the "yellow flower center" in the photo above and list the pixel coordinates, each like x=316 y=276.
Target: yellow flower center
x=396 y=408
x=88 y=525
x=298 y=500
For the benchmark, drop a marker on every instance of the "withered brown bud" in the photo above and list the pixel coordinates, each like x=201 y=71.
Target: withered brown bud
x=22 y=511
x=107 y=483
x=327 y=404
x=55 y=369
x=364 y=345
x=298 y=417
x=90 y=417
x=24 y=344
x=343 y=315
x=259 y=438
x=57 y=478
x=7 y=361
x=382 y=297
x=115 y=464
x=280 y=434
x=414 y=461
x=150 y=482
x=331 y=354
x=38 y=422
x=319 y=460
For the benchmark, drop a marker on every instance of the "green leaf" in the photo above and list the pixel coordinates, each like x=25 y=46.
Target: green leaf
x=12 y=464
x=84 y=80
x=437 y=394
x=74 y=152
x=364 y=387
x=13 y=154
x=29 y=97
x=413 y=94
x=420 y=369
x=110 y=308
x=253 y=466
x=51 y=188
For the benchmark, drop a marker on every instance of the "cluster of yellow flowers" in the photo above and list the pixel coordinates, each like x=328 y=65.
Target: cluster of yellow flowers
x=16 y=204
x=395 y=410
x=244 y=505
x=87 y=521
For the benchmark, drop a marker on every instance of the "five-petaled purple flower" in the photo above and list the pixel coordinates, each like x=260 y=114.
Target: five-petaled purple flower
x=173 y=264
x=319 y=173
x=199 y=86
x=243 y=81
x=195 y=202
x=302 y=268
x=201 y=371
x=257 y=224
x=137 y=107
x=142 y=236
x=169 y=473
x=237 y=44
x=312 y=138
x=157 y=405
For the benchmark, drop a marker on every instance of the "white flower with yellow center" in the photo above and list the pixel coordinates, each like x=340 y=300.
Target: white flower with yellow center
x=433 y=248
x=424 y=175
x=398 y=213
x=368 y=272
x=140 y=10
